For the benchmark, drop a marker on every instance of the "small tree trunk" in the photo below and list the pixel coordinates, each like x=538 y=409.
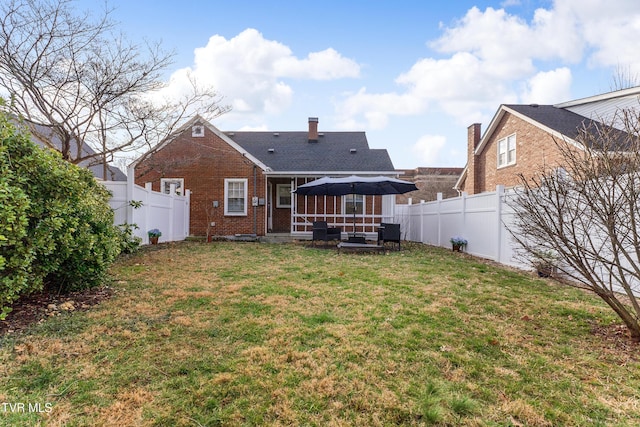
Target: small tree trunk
x=629 y=320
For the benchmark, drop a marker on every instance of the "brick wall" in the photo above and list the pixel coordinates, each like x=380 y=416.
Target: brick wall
x=472 y=184
x=535 y=148
x=430 y=182
x=204 y=163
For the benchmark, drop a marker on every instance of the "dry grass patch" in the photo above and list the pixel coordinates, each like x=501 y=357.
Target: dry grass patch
x=257 y=334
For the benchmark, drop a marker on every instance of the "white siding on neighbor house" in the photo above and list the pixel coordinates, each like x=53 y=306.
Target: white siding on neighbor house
x=167 y=212
x=605 y=111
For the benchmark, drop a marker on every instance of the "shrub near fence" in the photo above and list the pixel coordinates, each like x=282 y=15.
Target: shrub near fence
x=482 y=219
x=169 y=213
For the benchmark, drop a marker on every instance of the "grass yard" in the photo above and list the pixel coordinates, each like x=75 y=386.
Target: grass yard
x=258 y=334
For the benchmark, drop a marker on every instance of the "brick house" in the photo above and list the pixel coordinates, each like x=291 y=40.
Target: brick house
x=241 y=182
x=521 y=138
x=430 y=181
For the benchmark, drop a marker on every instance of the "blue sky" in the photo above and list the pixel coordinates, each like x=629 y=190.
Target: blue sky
x=411 y=74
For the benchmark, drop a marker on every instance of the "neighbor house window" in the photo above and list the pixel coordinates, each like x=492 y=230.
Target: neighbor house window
x=165 y=185
x=235 y=195
x=283 y=192
x=507 y=151
x=353 y=203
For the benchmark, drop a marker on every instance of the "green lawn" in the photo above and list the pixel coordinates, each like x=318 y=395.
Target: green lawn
x=258 y=334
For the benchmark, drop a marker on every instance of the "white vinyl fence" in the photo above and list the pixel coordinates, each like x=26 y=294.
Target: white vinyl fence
x=479 y=218
x=169 y=213
x=483 y=219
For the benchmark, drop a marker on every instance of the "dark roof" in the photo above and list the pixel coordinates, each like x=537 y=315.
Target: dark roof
x=568 y=123
x=292 y=151
x=563 y=121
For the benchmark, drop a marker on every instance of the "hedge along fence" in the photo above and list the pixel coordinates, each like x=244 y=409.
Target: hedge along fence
x=56 y=226
x=148 y=209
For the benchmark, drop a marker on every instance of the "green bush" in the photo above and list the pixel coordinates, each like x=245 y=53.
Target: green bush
x=129 y=243
x=56 y=226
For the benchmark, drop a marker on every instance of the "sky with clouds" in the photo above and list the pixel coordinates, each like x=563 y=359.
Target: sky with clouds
x=412 y=75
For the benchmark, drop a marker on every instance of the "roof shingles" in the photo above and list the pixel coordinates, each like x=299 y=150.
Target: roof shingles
x=292 y=152
x=571 y=125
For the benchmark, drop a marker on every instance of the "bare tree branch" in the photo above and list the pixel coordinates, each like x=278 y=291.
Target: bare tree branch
x=582 y=214
x=78 y=81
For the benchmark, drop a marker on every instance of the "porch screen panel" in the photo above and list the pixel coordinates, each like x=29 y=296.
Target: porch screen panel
x=354 y=202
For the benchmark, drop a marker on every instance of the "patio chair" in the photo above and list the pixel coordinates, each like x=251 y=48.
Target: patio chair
x=389 y=233
x=321 y=231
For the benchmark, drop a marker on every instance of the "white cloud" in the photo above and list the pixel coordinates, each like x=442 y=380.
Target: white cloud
x=375 y=109
x=491 y=57
x=548 y=87
x=427 y=149
x=610 y=28
x=251 y=71
x=325 y=65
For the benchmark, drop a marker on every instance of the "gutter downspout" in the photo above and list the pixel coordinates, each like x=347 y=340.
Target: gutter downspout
x=255 y=195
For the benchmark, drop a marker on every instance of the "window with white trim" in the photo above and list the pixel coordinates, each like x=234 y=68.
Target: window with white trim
x=283 y=192
x=197 y=131
x=235 y=196
x=165 y=185
x=507 y=151
x=353 y=202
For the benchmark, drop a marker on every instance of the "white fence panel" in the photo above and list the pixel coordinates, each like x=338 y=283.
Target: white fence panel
x=482 y=219
x=167 y=212
x=118 y=201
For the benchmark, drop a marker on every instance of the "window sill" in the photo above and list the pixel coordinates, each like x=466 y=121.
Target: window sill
x=506 y=166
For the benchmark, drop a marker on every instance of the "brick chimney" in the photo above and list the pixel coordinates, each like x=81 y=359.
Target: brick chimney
x=472 y=185
x=313 y=129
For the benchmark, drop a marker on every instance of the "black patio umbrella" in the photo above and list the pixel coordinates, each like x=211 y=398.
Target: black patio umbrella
x=366 y=185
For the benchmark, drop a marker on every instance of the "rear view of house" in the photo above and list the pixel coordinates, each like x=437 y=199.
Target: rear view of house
x=242 y=182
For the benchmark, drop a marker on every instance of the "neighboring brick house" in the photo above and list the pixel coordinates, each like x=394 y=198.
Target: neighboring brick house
x=522 y=138
x=242 y=182
x=430 y=182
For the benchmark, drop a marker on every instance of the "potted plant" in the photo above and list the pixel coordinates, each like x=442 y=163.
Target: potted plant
x=154 y=234
x=458 y=243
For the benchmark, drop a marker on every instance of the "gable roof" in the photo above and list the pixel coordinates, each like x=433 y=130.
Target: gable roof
x=557 y=121
x=337 y=152
x=185 y=127
x=280 y=153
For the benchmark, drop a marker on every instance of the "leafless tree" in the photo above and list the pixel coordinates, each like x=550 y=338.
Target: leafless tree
x=582 y=214
x=77 y=81
x=624 y=78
